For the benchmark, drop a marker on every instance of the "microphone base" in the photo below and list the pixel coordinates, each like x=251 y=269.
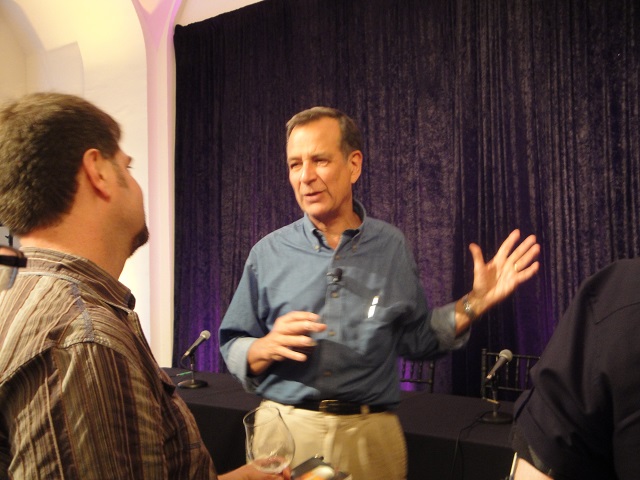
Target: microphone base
x=496 y=417
x=192 y=384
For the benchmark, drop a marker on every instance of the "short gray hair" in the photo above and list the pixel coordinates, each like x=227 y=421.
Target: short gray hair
x=351 y=136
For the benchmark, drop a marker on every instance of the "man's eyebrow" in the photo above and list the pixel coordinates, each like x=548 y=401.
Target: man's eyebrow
x=314 y=156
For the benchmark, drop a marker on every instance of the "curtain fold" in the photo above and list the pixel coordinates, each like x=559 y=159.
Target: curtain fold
x=478 y=117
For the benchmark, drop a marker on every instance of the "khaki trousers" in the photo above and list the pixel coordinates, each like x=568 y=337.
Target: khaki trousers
x=369 y=447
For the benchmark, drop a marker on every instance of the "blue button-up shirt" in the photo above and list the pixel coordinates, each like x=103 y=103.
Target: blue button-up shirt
x=375 y=312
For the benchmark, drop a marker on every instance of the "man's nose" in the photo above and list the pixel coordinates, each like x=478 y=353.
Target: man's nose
x=308 y=172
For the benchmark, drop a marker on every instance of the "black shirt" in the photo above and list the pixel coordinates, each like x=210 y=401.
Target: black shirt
x=582 y=417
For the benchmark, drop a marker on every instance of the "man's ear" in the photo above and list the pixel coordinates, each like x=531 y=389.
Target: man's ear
x=355 y=162
x=94 y=167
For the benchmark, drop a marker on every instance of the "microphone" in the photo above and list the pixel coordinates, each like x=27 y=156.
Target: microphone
x=504 y=357
x=203 y=337
x=336 y=273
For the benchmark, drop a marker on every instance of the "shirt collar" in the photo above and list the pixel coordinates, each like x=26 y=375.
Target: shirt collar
x=83 y=270
x=312 y=231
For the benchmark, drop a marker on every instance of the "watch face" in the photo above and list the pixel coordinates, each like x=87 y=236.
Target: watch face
x=467 y=308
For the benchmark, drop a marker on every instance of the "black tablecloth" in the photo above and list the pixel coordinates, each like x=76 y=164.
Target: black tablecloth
x=443 y=429
x=440 y=430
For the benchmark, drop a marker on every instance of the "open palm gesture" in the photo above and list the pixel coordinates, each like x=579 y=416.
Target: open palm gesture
x=511 y=266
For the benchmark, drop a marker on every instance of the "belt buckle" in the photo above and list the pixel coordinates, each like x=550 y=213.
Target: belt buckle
x=326 y=405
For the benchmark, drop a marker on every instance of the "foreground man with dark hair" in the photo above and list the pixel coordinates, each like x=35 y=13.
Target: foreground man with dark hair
x=81 y=395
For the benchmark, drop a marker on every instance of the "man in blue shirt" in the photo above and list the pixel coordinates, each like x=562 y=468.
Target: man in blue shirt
x=327 y=304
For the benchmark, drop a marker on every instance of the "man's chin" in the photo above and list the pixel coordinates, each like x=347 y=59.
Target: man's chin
x=312 y=212
x=315 y=209
x=140 y=239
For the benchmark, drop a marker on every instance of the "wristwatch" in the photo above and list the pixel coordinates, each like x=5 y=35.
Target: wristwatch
x=468 y=310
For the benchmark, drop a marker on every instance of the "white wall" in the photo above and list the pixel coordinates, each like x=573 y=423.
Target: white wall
x=119 y=55
x=197 y=10
x=13 y=74
x=92 y=49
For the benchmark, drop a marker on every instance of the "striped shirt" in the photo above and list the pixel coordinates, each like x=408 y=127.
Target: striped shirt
x=81 y=395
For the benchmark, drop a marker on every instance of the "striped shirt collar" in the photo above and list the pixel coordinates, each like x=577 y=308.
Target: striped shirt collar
x=81 y=270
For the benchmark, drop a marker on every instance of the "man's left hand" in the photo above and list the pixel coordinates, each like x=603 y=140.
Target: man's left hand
x=512 y=265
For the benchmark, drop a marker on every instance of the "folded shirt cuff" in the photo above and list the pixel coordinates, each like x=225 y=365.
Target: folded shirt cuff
x=443 y=323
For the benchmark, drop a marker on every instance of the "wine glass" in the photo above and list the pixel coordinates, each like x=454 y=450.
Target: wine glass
x=270 y=445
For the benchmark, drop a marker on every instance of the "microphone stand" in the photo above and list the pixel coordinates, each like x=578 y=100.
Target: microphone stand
x=495 y=416
x=192 y=383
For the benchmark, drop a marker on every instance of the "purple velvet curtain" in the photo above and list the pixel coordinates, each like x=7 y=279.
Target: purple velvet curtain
x=479 y=117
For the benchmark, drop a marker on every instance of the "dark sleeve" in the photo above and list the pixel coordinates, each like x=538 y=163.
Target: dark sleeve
x=582 y=417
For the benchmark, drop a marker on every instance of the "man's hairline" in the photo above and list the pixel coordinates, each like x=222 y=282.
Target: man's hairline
x=341 y=142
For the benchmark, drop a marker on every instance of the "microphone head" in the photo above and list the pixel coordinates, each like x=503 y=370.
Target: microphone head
x=206 y=334
x=506 y=354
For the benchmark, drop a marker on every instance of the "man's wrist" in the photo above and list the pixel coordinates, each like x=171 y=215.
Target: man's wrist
x=468 y=308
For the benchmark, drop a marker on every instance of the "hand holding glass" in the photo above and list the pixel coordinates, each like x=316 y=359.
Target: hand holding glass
x=270 y=445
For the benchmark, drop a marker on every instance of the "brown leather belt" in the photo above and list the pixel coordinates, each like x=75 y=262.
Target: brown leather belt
x=337 y=407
